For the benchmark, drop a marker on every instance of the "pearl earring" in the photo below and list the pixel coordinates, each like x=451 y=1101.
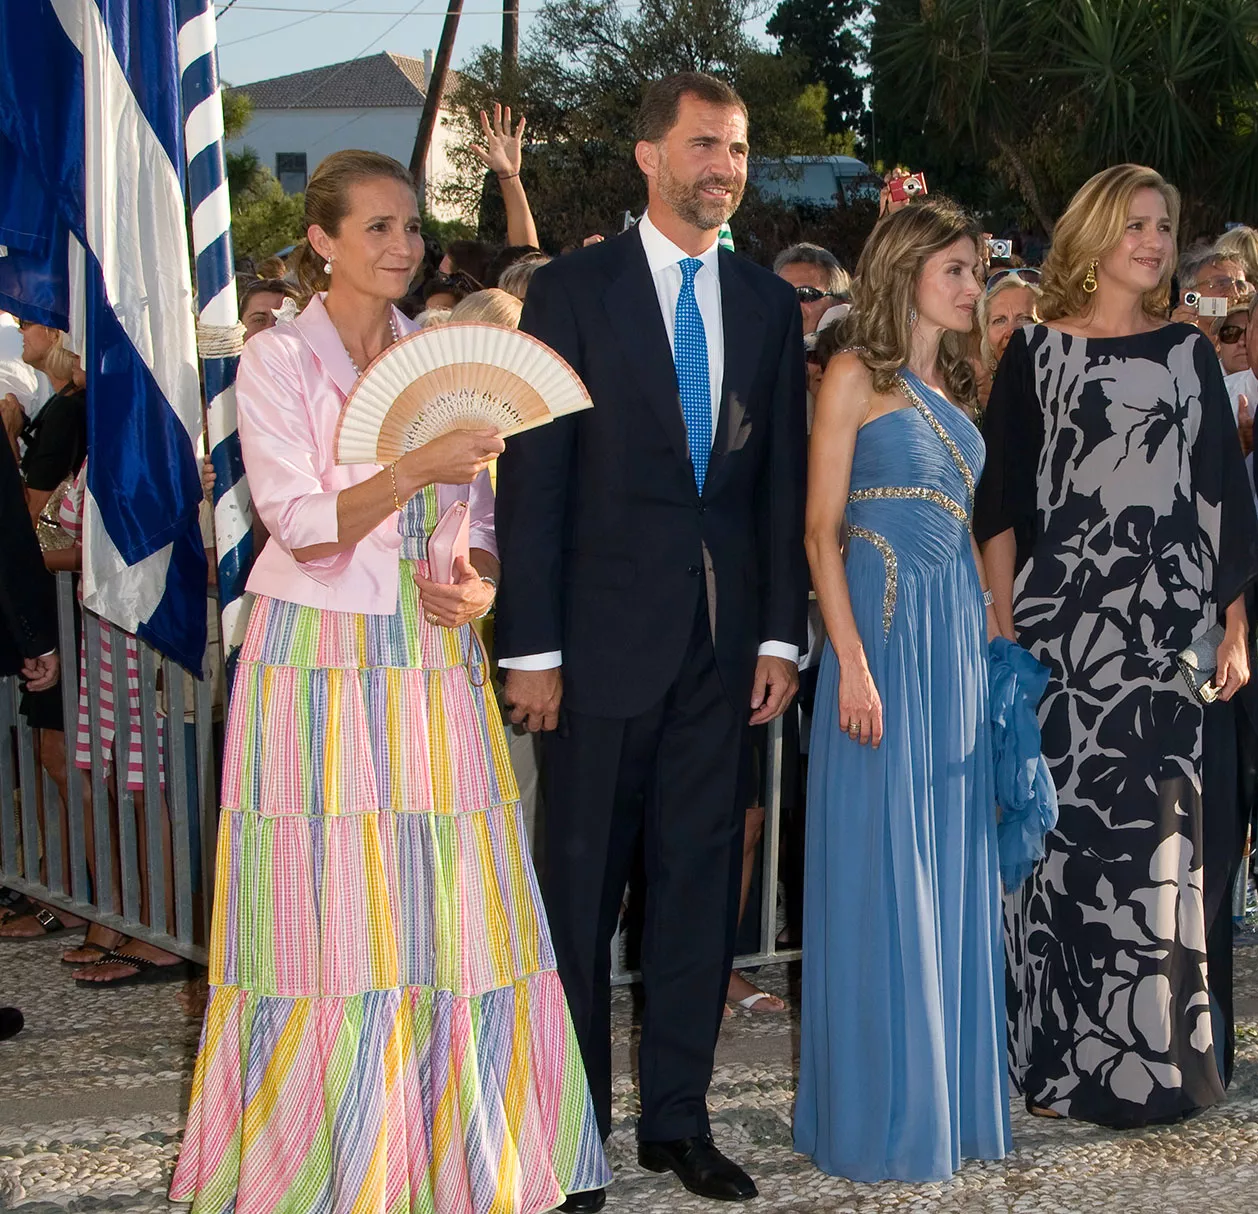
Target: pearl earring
x=327 y=266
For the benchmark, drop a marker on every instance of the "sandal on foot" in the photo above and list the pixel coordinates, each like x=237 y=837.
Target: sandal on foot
x=88 y=946
x=749 y=1004
x=147 y=972
x=52 y=924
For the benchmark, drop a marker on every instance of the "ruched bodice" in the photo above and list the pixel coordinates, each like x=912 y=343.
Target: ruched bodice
x=912 y=490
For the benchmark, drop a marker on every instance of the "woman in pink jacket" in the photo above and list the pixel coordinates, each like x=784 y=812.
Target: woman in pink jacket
x=385 y=1030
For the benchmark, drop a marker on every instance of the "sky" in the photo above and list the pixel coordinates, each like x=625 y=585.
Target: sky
x=258 y=39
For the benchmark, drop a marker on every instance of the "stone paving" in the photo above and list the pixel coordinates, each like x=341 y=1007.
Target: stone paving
x=91 y=1095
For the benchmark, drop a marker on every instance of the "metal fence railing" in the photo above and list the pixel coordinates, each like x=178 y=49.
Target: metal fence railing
x=141 y=860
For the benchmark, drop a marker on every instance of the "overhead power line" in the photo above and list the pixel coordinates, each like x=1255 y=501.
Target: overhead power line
x=367 y=12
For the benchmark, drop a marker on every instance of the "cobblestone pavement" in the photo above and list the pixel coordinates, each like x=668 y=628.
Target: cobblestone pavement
x=91 y=1095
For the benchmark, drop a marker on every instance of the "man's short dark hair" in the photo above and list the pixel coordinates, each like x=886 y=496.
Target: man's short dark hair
x=657 y=115
x=277 y=285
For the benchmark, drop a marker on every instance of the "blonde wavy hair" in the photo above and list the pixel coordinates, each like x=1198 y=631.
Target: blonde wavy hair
x=1011 y=281
x=60 y=362
x=1240 y=244
x=492 y=305
x=327 y=203
x=884 y=292
x=1091 y=226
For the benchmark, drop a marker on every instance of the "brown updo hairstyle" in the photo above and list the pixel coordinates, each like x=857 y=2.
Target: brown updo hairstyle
x=884 y=292
x=327 y=203
x=1091 y=226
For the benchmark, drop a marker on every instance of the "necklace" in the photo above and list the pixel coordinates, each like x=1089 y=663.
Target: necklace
x=392 y=329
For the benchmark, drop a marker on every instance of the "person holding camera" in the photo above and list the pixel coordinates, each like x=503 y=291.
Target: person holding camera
x=1118 y=530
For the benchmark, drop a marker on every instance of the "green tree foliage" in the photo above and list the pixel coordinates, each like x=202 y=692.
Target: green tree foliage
x=579 y=82
x=264 y=218
x=1047 y=92
x=831 y=35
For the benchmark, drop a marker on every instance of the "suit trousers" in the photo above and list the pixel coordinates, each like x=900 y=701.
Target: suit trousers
x=666 y=777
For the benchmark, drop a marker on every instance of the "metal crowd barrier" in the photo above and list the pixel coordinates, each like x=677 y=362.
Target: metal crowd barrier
x=44 y=844
x=770 y=841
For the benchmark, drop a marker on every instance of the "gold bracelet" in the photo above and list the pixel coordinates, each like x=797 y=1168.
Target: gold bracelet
x=397 y=504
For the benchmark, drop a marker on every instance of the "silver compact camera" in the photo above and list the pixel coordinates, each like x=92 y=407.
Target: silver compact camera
x=1000 y=248
x=1205 y=305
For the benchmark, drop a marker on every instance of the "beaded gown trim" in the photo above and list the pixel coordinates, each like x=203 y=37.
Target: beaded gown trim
x=914 y=492
x=944 y=437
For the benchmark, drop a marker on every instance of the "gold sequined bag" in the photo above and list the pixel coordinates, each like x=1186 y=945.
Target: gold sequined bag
x=52 y=536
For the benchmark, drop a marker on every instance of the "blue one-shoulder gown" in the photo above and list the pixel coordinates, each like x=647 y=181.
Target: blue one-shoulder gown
x=902 y=1060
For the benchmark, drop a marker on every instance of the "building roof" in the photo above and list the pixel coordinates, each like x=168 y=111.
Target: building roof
x=375 y=81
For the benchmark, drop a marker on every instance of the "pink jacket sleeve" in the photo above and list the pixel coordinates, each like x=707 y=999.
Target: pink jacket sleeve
x=481 y=514
x=282 y=456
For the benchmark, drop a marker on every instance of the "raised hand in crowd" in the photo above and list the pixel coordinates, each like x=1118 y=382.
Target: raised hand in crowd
x=208 y=477
x=502 y=153
x=886 y=204
x=1245 y=423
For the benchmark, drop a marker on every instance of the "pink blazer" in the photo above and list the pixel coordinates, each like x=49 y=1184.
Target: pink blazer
x=292 y=383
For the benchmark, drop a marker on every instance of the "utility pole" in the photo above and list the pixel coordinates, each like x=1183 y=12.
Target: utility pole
x=510 y=39
x=432 y=100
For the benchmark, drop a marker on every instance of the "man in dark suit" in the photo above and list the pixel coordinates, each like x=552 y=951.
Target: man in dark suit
x=653 y=601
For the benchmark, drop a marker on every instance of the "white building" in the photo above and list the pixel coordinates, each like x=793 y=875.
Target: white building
x=373 y=103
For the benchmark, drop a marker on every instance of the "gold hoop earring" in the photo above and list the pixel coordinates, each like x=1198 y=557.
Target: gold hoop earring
x=1089 y=283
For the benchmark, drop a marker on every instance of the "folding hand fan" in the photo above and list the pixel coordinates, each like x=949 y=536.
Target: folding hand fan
x=460 y=376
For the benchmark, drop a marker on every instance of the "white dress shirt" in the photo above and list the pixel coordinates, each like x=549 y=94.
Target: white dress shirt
x=663 y=258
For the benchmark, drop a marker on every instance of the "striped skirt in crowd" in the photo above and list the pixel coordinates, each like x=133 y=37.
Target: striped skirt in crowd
x=386 y=1032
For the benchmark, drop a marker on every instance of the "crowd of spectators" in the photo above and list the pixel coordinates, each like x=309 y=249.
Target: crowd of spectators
x=43 y=410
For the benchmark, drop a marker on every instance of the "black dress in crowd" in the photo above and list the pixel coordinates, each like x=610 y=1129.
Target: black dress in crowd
x=56 y=445
x=56 y=440
x=1116 y=462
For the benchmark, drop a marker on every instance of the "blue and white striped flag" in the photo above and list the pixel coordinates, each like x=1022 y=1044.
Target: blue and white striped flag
x=92 y=214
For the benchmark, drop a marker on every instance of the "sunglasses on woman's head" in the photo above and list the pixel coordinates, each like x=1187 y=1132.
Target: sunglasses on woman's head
x=1024 y=274
x=1231 y=334
x=812 y=294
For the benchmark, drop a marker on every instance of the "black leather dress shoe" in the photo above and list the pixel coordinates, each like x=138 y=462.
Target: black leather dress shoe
x=588 y=1202
x=701 y=1167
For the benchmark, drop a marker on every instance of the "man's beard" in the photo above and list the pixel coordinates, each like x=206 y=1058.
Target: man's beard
x=688 y=201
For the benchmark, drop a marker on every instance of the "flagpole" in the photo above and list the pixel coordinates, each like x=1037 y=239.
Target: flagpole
x=218 y=329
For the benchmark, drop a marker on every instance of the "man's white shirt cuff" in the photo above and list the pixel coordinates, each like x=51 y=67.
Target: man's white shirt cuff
x=548 y=661
x=777 y=649
x=533 y=661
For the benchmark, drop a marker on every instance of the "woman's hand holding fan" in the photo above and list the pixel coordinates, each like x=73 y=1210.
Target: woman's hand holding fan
x=457 y=457
x=469 y=377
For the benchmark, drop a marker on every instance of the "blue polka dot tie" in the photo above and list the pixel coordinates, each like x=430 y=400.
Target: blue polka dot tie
x=690 y=354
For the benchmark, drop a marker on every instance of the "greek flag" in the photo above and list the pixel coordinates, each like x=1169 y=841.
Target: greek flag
x=92 y=217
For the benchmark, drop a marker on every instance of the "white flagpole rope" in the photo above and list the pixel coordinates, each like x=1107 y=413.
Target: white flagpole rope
x=218 y=327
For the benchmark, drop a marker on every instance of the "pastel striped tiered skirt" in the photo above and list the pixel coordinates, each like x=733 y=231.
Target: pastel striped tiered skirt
x=386 y=1032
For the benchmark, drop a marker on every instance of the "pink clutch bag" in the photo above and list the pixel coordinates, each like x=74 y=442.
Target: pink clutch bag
x=450 y=538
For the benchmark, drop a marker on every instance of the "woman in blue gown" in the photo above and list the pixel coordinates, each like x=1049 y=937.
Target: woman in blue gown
x=902 y=1062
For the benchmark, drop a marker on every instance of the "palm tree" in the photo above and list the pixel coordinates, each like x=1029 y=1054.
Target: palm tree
x=1061 y=88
